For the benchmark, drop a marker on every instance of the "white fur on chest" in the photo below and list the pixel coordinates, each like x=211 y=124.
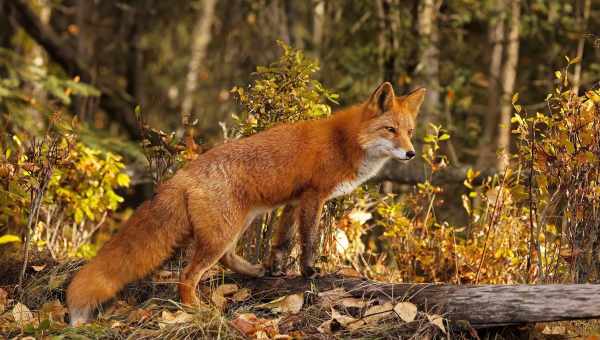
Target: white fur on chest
x=367 y=169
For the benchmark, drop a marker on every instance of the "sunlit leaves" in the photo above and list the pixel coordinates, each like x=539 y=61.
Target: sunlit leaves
x=86 y=185
x=561 y=149
x=80 y=192
x=284 y=91
x=432 y=145
x=9 y=238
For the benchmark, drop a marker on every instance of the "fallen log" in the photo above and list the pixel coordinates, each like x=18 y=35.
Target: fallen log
x=418 y=171
x=482 y=305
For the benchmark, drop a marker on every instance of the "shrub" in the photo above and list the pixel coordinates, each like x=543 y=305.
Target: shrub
x=559 y=151
x=284 y=91
x=55 y=189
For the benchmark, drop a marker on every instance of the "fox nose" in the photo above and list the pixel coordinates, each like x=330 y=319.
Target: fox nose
x=410 y=154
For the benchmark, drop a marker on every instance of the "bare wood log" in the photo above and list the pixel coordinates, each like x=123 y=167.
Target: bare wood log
x=115 y=103
x=482 y=306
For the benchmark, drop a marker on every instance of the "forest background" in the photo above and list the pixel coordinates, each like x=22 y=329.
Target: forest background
x=505 y=188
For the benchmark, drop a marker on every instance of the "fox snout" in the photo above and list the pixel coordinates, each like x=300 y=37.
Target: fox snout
x=403 y=155
x=403 y=147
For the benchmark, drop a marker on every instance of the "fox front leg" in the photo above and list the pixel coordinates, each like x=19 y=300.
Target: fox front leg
x=308 y=215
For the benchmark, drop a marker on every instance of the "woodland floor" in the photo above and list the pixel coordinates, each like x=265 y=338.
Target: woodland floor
x=149 y=309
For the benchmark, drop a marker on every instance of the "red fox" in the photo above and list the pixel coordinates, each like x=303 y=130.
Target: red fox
x=216 y=196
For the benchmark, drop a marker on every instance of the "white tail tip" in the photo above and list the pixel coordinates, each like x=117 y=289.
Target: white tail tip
x=79 y=317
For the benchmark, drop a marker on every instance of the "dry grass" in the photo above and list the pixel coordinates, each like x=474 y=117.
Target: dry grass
x=148 y=310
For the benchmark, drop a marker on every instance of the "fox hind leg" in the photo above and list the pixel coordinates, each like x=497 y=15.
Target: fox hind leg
x=215 y=232
x=202 y=260
x=237 y=263
x=240 y=265
x=209 y=248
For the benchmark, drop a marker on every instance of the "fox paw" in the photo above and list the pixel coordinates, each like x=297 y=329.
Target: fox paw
x=275 y=269
x=276 y=272
x=310 y=272
x=259 y=271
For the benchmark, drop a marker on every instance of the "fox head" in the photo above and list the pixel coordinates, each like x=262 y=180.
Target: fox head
x=388 y=122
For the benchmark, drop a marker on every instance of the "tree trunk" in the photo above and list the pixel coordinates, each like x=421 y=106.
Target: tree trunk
x=135 y=60
x=482 y=306
x=275 y=17
x=387 y=13
x=200 y=39
x=292 y=18
x=36 y=52
x=6 y=33
x=428 y=67
x=84 y=106
x=508 y=85
x=114 y=102
x=496 y=38
x=6 y=29
x=582 y=20
x=318 y=25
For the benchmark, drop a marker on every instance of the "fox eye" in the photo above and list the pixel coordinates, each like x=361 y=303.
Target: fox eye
x=410 y=132
x=390 y=129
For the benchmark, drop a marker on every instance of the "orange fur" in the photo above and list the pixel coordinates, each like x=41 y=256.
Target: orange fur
x=216 y=196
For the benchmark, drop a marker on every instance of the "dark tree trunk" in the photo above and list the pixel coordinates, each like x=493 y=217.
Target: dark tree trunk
x=135 y=61
x=388 y=43
x=115 y=102
x=413 y=173
x=6 y=29
x=487 y=154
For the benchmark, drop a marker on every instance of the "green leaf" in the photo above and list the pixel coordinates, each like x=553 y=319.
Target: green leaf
x=78 y=215
x=574 y=61
x=44 y=325
x=9 y=238
x=570 y=147
x=515 y=98
x=29 y=329
x=518 y=108
x=123 y=180
x=558 y=74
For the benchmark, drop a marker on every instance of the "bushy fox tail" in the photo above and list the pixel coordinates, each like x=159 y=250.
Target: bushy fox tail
x=141 y=245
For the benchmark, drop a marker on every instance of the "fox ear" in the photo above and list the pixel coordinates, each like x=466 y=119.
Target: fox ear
x=412 y=101
x=382 y=98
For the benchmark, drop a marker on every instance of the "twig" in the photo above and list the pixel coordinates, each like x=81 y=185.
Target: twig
x=492 y=225
x=36 y=201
